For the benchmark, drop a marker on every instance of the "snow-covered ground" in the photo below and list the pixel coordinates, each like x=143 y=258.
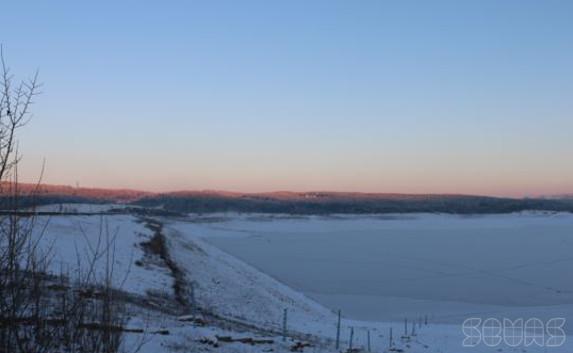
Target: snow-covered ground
x=72 y=241
x=241 y=301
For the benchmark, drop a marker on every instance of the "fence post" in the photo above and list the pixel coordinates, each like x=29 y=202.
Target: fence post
x=351 y=338
x=285 y=324
x=369 y=347
x=426 y=320
x=338 y=331
x=390 y=338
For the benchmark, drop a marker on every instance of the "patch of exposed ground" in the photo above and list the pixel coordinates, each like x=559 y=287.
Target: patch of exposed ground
x=157 y=247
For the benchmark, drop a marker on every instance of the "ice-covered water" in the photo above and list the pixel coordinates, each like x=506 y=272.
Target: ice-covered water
x=386 y=268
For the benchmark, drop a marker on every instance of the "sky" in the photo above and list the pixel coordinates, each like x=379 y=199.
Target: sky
x=471 y=97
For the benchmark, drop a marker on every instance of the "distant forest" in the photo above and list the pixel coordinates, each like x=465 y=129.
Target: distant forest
x=354 y=205
x=286 y=202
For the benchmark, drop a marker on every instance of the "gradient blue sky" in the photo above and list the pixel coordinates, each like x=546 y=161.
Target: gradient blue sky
x=401 y=96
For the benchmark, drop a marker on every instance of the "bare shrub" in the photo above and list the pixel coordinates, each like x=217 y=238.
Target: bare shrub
x=42 y=311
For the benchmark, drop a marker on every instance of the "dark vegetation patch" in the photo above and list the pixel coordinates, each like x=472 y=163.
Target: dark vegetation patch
x=342 y=204
x=299 y=346
x=294 y=203
x=245 y=340
x=157 y=245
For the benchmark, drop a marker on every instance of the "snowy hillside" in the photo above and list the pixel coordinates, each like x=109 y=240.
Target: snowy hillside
x=187 y=295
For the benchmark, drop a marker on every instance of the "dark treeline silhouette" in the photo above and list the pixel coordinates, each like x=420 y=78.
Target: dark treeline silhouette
x=335 y=203
x=295 y=203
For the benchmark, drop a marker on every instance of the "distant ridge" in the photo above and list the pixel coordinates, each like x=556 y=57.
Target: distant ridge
x=41 y=190
x=111 y=194
x=315 y=202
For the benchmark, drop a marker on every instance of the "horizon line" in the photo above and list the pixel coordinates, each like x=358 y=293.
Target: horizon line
x=28 y=185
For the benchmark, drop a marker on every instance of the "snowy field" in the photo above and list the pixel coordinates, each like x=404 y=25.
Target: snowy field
x=245 y=270
x=71 y=242
x=387 y=268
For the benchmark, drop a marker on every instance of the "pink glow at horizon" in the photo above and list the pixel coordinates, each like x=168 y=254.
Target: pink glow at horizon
x=415 y=182
x=464 y=97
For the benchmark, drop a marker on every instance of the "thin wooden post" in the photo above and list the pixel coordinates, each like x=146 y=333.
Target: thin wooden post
x=338 y=332
x=426 y=320
x=285 y=313
x=390 y=342
x=368 y=336
x=351 y=338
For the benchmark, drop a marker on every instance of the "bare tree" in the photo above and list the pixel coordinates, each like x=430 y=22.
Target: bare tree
x=15 y=102
x=18 y=254
x=40 y=311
